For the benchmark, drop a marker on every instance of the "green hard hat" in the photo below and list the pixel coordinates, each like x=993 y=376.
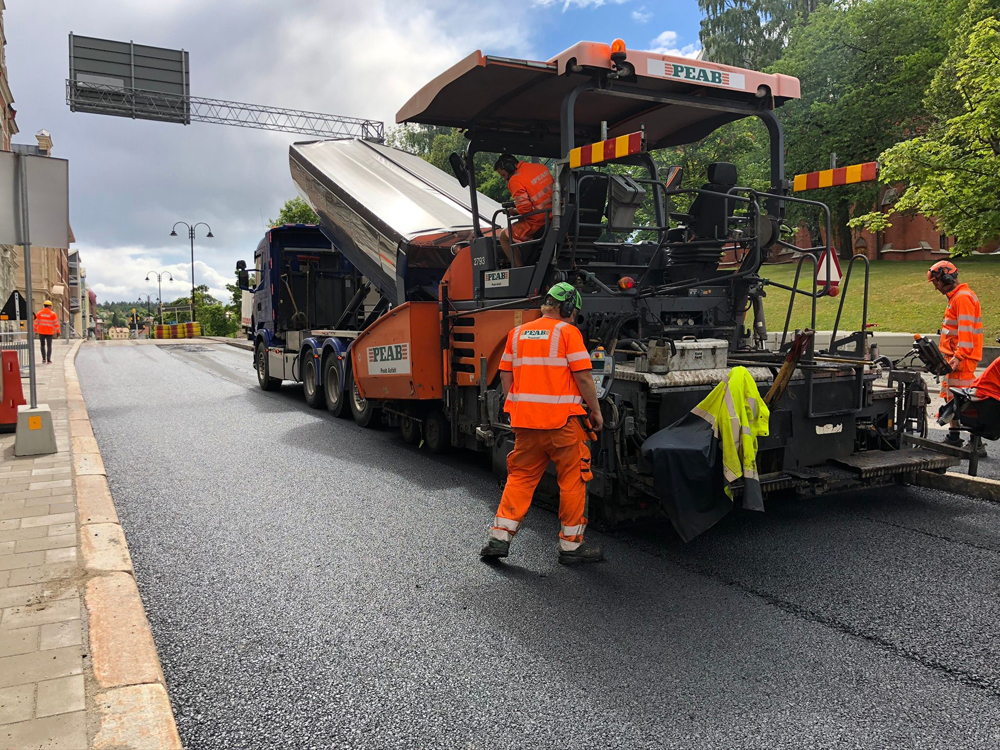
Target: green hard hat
x=563 y=290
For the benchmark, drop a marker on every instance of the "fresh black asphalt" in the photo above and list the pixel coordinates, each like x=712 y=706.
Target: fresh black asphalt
x=311 y=584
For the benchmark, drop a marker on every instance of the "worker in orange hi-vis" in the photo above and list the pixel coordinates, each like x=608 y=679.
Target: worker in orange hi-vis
x=545 y=373
x=530 y=188
x=46 y=326
x=961 y=334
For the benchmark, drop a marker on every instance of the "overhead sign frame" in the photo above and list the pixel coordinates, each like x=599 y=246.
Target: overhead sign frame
x=126 y=79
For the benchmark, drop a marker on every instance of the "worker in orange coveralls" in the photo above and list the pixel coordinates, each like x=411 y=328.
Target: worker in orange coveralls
x=46 y=326
x=545 y=373
x=530 y=188
x=961 y=334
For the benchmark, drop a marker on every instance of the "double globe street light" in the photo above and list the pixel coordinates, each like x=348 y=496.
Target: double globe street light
x=191 y=231
x=159 y=288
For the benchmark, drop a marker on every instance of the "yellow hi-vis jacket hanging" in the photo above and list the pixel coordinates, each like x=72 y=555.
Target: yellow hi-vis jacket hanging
x=694 y=461
x=738 y=415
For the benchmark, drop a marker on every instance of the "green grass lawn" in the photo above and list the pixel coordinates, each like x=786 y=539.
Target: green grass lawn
x=899 y=297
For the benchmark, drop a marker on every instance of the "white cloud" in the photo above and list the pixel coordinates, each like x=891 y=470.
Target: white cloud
x=666 y=44
x=130 y=180
x=641 y=15
x=568 y=4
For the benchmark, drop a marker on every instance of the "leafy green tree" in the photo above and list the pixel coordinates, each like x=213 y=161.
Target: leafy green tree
x=751 y=33
x=295 y=211
x=863 y=67
x=952 y=170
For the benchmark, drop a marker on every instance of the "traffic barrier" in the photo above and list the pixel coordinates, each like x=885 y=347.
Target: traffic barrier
x=11 y=393
x=177 y=331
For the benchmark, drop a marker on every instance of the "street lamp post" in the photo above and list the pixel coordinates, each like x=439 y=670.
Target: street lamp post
x=149 y=301
x=191 y=230
x=159 y=289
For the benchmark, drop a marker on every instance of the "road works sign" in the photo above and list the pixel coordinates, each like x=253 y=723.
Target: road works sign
x=392 y=359
x=829 y=278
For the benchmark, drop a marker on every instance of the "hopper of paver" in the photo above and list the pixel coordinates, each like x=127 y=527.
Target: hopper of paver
x=396 y=217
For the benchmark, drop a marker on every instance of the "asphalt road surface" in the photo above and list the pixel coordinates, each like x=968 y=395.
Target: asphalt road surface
x=311 y=584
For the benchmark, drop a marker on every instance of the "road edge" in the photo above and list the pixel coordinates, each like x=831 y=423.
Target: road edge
x=126 y=689
x=980 y=488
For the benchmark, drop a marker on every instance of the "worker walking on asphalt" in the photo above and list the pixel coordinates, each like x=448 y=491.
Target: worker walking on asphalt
x=46 y=326
x=545 y=373
x=530 y=188
x=961 y=334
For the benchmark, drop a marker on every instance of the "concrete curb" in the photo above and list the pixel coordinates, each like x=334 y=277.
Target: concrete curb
x=961 y=484
x=132 y=706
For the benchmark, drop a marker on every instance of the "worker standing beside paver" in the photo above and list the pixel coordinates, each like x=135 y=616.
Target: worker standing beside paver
x=961 y=334
x=545 y=372
x=46 y=326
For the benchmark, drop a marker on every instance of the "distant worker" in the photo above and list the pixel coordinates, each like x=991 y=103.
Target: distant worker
x=530 y=188
x=961 y=334
x=545 y=373
x=46 y=326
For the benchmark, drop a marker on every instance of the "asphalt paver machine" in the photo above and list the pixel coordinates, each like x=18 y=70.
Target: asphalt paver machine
x=664 y=319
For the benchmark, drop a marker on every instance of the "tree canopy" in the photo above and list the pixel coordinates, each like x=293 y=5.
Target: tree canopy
x=951 y=171
x=295 y=211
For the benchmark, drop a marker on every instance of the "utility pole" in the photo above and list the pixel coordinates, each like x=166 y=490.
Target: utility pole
x=191 y=232
x=159 y=289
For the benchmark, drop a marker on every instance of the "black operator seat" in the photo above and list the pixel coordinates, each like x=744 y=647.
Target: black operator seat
x=709 y=212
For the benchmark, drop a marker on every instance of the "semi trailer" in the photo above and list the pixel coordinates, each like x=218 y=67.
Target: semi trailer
x=664 y=319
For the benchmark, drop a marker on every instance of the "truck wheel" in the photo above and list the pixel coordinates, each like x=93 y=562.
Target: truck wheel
x=437 y=436
x=335 y=398
x=410 y=430
x=313 y=393
x=267 y=383
x=364 y=413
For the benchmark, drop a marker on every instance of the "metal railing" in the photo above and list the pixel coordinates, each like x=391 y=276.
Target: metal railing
x=18 y=341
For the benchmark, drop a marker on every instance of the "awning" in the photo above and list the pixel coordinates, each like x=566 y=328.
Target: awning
x=497 y=94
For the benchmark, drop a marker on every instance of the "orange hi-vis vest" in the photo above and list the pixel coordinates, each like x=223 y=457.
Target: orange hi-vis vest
x=531 y=190
x=543 y=355
x=962 y=328
x=46 y=322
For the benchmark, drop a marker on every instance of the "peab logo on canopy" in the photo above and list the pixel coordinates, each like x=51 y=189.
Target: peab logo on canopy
x=696 y=74
x=393 y=359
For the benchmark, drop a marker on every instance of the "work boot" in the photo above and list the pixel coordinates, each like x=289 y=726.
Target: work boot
x=585 y=553
x=494 y=548
x=954 y=439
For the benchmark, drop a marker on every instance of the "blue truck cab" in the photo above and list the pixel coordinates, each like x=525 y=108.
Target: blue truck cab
x=305 y=303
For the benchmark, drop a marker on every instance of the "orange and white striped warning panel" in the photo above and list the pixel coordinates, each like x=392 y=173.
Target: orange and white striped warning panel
x=833 y=177
x=602 y=151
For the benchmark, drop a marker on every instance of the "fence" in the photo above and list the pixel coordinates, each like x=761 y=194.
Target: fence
x=18 y=341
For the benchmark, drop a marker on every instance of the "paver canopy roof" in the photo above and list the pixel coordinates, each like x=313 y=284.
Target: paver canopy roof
x=502 y=95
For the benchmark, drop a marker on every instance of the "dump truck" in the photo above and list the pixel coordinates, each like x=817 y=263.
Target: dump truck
x=664 y=318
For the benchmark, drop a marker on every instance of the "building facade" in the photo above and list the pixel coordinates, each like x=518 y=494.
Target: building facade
x=8 y=128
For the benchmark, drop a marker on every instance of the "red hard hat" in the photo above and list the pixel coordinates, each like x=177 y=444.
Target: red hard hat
x=942 y=268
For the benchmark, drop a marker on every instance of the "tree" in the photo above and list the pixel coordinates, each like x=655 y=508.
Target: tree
x=951 y=171
x=863 y=67
x=295 y=211
x=751 y=33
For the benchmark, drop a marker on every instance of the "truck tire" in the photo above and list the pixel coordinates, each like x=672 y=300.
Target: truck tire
x=365 y=414
x=336 y=399
x=409 y=428
x=437 y=435
x=267 y=383
x=312 y=392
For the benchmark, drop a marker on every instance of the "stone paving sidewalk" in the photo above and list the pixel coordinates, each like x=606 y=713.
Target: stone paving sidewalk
x=78 y=668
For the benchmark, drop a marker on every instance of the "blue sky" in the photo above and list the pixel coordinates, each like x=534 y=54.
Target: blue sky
x=131 y=180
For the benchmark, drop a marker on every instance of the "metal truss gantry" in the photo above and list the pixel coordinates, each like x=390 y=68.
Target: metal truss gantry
x=154 y=105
